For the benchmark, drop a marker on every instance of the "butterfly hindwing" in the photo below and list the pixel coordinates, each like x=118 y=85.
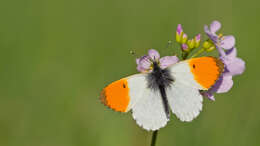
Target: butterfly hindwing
x=149 y=112
x=184 y=101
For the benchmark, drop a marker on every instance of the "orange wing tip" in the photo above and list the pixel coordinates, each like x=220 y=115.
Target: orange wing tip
x=104 y=100
x=206 y=70
x=116 y=95
x=220 y=64
x=103 y=97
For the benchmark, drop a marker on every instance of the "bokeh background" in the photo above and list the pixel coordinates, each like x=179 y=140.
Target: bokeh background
x=57 y=55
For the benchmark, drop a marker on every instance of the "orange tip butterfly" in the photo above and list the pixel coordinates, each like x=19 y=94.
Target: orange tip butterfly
x=151 y=96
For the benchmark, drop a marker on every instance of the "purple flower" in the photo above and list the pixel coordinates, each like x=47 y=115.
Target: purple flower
x=179 y=33
x=184 y=38
x=184 y=47
x=233 y=66
x=197 y=37
x=179 y=29
x=197 y=40
x=145 y=63
x=226 y=42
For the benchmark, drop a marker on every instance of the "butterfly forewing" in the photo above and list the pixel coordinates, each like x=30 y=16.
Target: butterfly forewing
x=123 y=94
x=200 y=73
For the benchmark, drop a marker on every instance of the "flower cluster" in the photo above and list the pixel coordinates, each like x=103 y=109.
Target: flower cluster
x=225 y=45
x=186 y=44
x=228 y=54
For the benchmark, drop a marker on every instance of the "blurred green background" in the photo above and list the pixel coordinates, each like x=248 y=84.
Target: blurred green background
x=56 y=56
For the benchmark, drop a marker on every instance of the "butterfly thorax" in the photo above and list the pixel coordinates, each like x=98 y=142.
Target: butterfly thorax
x=159 y=77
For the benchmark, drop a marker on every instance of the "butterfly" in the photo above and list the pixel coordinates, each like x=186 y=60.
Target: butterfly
x=150 y=96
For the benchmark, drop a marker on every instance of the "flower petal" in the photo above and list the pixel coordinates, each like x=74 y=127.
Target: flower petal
x=221 y=52
x=206 y=29
x=209 y=95
x=236 y=66
x=228 y=42
x=225 y=84
x=215 y=26
x=167 y=61
x=231 y=53
x=211 y=35
x=144 y=63
x=137 y=60
x=153 y=54
x=140 y=69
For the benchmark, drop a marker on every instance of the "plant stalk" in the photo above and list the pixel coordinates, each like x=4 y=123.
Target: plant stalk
x=154 y=137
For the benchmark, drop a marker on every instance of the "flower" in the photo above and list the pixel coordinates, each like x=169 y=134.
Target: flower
x=145 y=63
x=184 y=47
x=226 y=42
x=191 y=43
x=197 y=40
x=179 y=29
x=179 y=33
x=184 y=38
x=233 y=66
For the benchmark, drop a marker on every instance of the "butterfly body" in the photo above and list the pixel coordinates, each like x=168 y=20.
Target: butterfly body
x=158 y=80
x=151 y=95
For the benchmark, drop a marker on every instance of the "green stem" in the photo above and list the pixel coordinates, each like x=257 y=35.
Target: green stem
x=154 y=137
x=184 y=55
x=198 y=53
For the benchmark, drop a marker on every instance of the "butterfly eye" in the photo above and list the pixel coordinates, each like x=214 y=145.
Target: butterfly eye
x=123 y=85
x=193 y=66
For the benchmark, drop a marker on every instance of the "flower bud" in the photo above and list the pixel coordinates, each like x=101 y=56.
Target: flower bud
x=184 y=38
x=184 y=47
x=179 y=33
x=179 y=29
x=191 y=43
x=197 y=41
x=210 y=48
x=207 y=45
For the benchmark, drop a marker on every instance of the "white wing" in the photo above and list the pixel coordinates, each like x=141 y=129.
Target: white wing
x=136 y=84
x=149 y=111
x=183 y=95
x=181 y=73
x=146 y=104
x=185 y=102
